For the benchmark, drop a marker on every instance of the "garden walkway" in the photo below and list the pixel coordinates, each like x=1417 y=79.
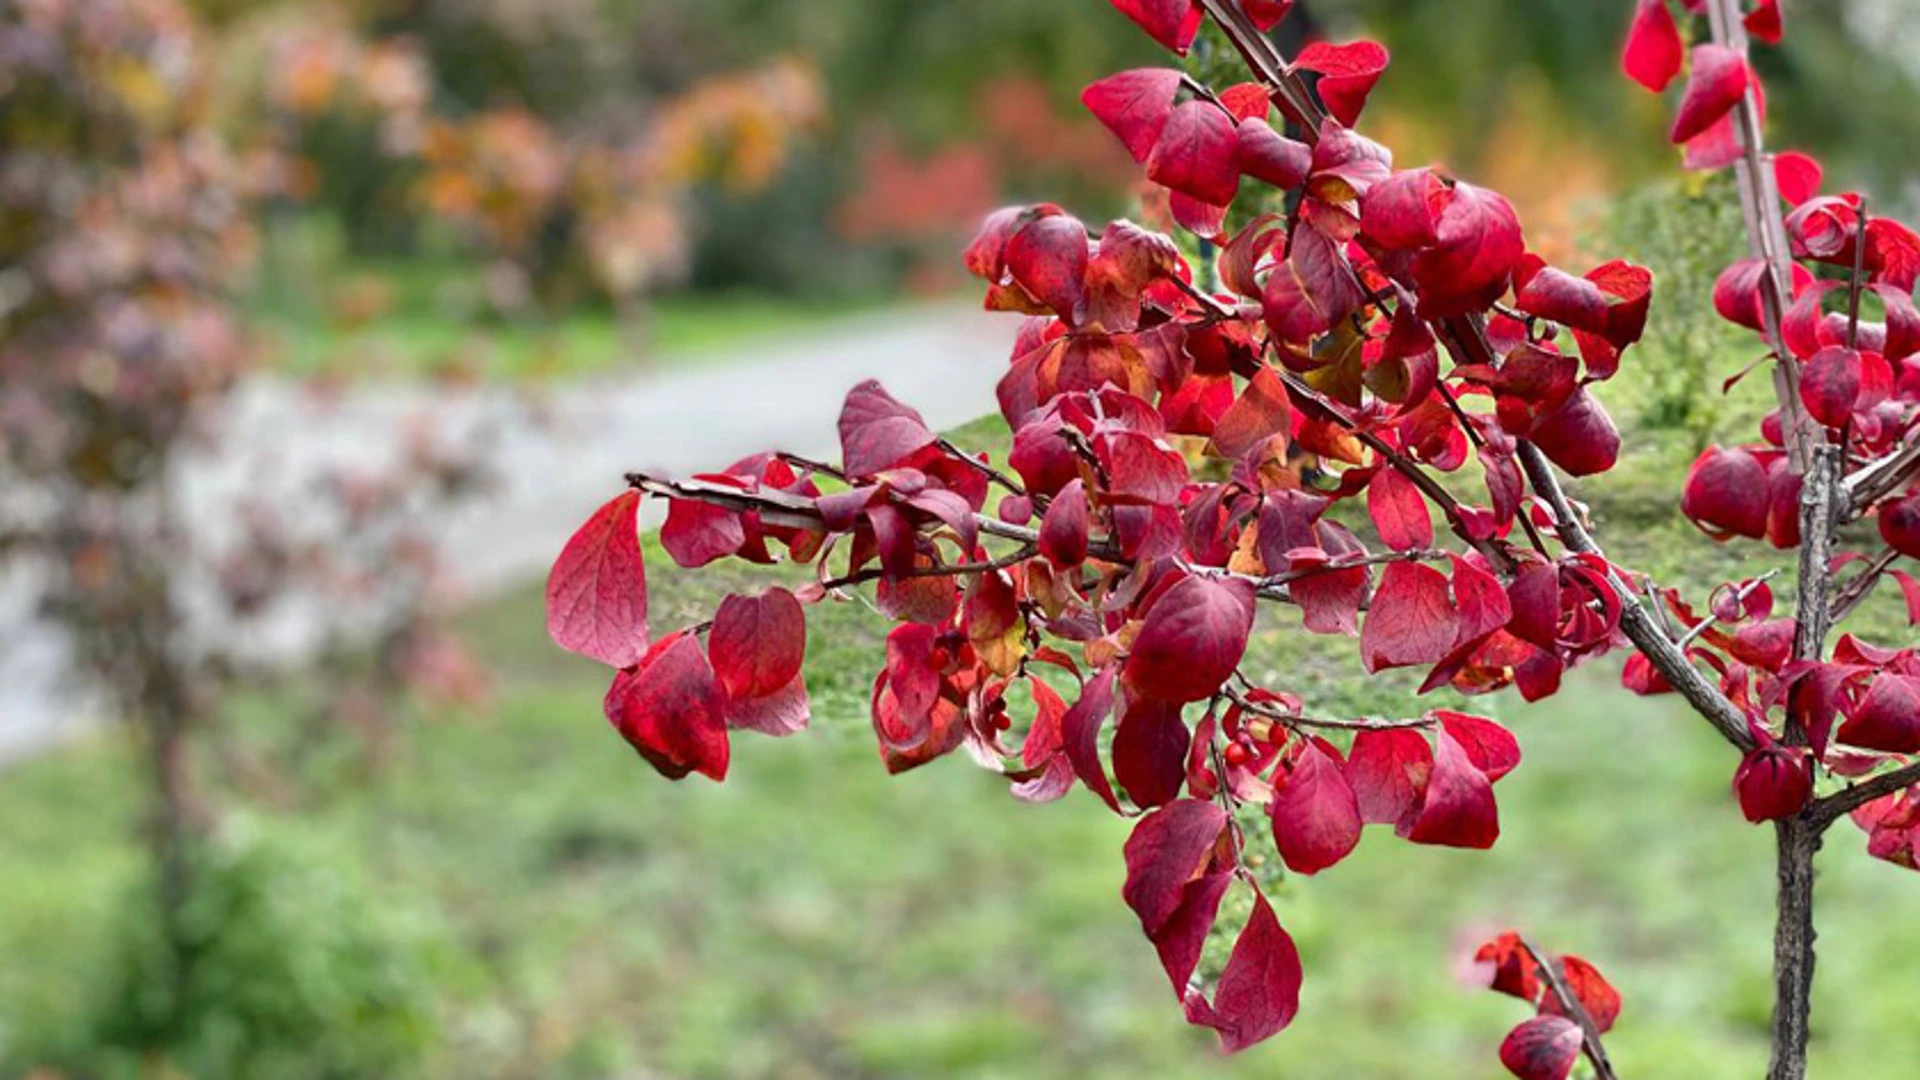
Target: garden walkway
x=555 y=453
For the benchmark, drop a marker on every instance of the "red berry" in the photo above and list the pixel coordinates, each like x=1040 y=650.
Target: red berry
x=1238 y=754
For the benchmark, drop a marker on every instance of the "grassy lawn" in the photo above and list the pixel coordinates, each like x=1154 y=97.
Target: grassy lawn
x=681 y=330
x=319 y=311
x=813 y=918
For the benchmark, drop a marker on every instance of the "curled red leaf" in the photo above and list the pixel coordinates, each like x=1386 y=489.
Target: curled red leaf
x=1543 y=1048
x=1716 y=85
x=1347 y=74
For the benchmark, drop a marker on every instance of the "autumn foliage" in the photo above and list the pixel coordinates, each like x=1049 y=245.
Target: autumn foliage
x=1353 y=404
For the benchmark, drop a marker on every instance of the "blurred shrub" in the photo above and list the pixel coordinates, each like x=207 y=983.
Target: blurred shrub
x=298 y=970
x=1675 y=391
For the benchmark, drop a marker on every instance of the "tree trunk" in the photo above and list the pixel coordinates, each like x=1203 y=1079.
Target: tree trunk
x=1798 y=839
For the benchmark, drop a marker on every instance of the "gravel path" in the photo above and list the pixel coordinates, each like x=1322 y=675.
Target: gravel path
x=555 y=455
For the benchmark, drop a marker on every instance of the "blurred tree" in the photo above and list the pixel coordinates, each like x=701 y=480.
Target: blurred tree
x=1484 y=57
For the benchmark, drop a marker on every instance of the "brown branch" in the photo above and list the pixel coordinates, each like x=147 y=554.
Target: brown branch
x=1825 y=811
x=1502 y=560
x=982 y=468
x=1860 y=586
x=1349 y=562
x=1279 y=716
x=1797 y=841
x=1573 y=1008
x=1635 y=622
x=1882 y=477
x=1766 y=237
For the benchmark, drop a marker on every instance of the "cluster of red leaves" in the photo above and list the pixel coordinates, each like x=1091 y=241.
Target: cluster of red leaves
x=1366 y=335
x=1859 y=378
x=1545 y=1047
x=1383 y=338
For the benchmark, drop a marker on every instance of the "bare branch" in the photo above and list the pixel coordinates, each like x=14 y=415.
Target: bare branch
x=1635 y=622
x=1825 y=811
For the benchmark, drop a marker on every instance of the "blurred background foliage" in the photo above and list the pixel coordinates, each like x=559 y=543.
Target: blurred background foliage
x=834 y=152
x=529 y=189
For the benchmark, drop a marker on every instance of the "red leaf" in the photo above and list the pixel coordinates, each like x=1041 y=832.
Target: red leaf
x=1330 y=600
x=782 y=712
x=1266 y=14
x=1763 y=22
x=597 y=589
x=1192 y=639
x=1316 y=818
x=1773 y=782
x=669 y=710
x=1399 y=511
x=1150 y=752
x=1900 y=525
x=1203 y=219
x=1579 y=436
x=1482 y=601
x=1459 y=810
x=1543 y=1048
x=697 y=533
x=1259 y=991
x=1591 y=989
x=1888 y=717
x=1388 y=769
x=1080 y=734
x=1048 y=259
x=1198 y=153
x=1514 y=971
x=1172 y=23
x=1063 y=529
x=877 y=432
x=1716 y=84
x=1269 y=156
x=1798 y=176
x=1492 y=748
x=1654 y=49
x=1044 y=749
x=1398 y=212
x=1347 y=74
x=1830 y=385
x=1726 y=494
x=1412 y=619
x=1183 y=936
x=1134 y=106
x=1262 y=411
x=1167 y=849
x=1312 y=290
x=757 y=643
x=1560 y=297
x=1477 y=246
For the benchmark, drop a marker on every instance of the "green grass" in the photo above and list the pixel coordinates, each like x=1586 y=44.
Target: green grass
x=681 y=330
x=321 y=311
x=814 y=918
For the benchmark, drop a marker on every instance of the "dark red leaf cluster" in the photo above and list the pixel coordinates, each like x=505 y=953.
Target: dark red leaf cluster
x=1546 y=1046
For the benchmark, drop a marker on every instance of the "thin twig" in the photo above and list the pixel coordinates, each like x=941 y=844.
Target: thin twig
x=1573 y=1008
x=1860 y=586
x=1739 y=597
x=1635 y=622
x=1825 y=811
